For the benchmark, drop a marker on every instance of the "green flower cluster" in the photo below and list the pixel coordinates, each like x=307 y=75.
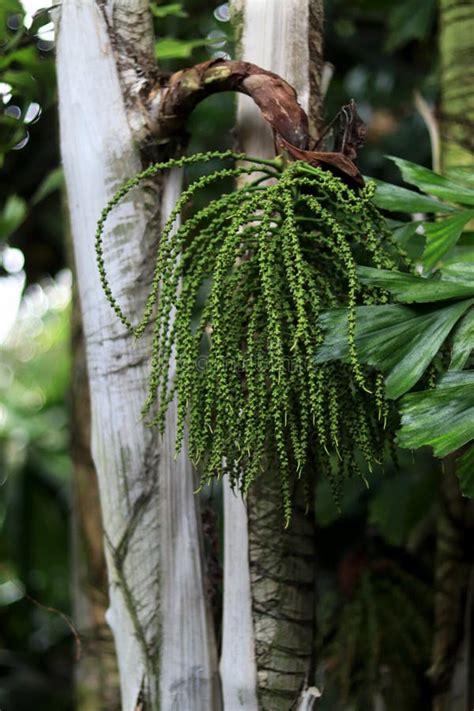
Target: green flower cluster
x=235 y=302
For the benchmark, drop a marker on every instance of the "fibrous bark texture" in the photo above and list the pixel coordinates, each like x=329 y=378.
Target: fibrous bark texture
x=456 y=40
x=157 y=607
x=275 y=98
x=169 y=108
x=452 y=670
x=282 y=579
x=276 y=601
x=96 y=674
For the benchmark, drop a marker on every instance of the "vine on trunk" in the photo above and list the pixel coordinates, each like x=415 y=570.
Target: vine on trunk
x=235 y=302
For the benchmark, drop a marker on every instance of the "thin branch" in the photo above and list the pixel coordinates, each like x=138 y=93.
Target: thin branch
x=427 y=114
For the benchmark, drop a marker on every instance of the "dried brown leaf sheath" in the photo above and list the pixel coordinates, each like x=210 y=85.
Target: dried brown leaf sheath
x=170 y=107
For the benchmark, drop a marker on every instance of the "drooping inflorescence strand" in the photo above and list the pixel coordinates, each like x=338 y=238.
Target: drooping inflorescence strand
x=235 y=301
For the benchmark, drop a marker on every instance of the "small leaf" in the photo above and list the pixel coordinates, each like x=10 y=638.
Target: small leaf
x=171 y=48
x=465 y=472
x=441 y=236
x=442 y=418
x=408 y=288
x=13 y=214
x=404 y=231
x=463 y=341
x=174 y=9
x=400 y=341
x=432 y=183
x=53 y=181
x=392 y=197
x=26 y=56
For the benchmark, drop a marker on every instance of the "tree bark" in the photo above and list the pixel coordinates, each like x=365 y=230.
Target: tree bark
x=452 y=670
x=456 y=46
x=97 y=684
x=157 y=606
x=269 y=576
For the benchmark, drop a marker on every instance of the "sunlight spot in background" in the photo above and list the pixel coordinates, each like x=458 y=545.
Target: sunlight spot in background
x=219 y=43
x=13 y=111
x=5 y=92
x=222 y=13
x=219 y=37
x=6 y=377
x=31 y=7
x=28 y=310
x=50 y=295
x=13 y=260
x=14 y=22
x=220 y=55
x=11 y=591
x=35 y=302
x=46 y=32
x=21 y=144
x=11 y=288
x=33 y=112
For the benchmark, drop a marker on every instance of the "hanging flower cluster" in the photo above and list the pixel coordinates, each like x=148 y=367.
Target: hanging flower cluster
x=235 y=302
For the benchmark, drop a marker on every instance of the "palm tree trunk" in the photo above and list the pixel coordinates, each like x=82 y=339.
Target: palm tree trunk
x=456 y=47
x=157 y=605
x=96 y=675
x=269 y=576
x=452 y=670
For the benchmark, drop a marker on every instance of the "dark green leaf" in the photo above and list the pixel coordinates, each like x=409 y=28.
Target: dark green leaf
x=463 y=341
x=400 y=502
x=400 y=341
x=463 y=175
x=434 y=184
x=408 y=288
x=408 y=21
x=41 y=18
x=404 y=231
x=442 y=418
x=392 y=197
x=441 y=236
x=462 y=252
x=460 y=272
x=23 y=82
x=26 y=56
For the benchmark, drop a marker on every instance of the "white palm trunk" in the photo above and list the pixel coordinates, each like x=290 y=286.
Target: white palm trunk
x=267 y=620
x=157 y=610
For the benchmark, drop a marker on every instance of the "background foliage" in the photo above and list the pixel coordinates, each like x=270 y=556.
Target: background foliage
x=381 y=547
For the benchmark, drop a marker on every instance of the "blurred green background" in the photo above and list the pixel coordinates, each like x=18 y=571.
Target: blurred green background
x=377 y=556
